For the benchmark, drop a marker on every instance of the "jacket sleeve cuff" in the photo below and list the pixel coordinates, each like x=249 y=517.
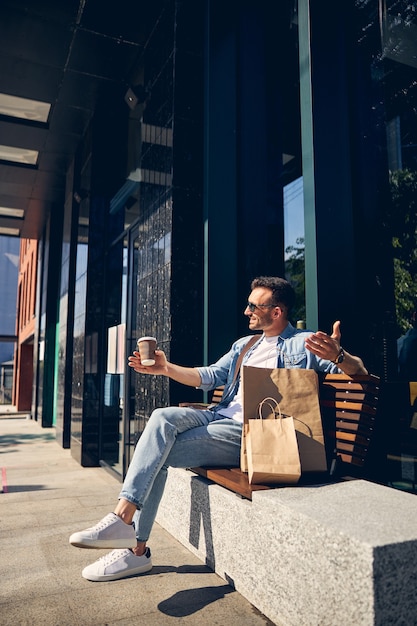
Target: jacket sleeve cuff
x=207 y=379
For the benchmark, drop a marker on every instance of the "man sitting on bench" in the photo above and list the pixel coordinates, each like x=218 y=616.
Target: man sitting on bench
x=189 y=437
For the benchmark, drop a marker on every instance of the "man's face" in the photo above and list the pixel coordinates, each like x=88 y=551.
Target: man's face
x=262 y=317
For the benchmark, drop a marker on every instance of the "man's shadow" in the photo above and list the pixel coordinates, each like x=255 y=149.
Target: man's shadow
x=200 y=518
x=190 y=601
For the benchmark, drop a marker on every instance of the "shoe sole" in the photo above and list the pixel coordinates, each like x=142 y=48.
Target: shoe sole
x=105 y=544
x=103 y=577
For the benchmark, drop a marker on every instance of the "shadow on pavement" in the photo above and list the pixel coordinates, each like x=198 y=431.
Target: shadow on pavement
x=190 y=601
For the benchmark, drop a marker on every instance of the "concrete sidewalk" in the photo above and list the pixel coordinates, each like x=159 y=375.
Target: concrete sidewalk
x=46 y=495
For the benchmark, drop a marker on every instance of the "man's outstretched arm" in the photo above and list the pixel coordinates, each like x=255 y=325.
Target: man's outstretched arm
x=186 y=375
x=328 y=347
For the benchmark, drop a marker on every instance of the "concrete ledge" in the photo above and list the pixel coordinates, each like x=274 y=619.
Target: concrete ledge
x=332 y=554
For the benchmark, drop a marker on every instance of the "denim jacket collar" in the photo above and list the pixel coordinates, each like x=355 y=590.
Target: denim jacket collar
x=288 y=331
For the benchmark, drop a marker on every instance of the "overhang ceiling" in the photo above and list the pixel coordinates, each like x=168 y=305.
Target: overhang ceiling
x=60 y=52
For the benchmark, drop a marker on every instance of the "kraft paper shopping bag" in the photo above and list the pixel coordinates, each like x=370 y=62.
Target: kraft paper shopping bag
x=296 y=390
x=272 y=449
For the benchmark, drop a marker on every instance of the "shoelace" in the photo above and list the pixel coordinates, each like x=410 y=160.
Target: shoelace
x=114 y=555
x=106 y=521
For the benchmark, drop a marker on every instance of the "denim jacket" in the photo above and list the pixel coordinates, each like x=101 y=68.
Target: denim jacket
x=291 y=353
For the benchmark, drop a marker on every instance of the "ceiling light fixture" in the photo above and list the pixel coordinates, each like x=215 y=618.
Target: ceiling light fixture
x=9 y=212
x=18 y=155
x=23 y=108
x=11 y=232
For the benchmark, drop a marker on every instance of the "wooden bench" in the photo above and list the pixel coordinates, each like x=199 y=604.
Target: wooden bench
x=348 y=407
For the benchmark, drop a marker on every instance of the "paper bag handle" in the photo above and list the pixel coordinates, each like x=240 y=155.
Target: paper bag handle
x=273 y=407
x=310 y=432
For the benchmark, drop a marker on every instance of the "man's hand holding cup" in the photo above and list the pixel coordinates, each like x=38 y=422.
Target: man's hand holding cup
x=147 y=359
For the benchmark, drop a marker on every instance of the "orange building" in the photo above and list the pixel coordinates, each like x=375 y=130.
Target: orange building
x=25 y=325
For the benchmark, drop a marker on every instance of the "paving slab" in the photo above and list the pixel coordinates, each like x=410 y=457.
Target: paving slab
x=45 y=495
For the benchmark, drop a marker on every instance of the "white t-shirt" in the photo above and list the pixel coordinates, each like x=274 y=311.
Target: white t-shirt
x=264 y=355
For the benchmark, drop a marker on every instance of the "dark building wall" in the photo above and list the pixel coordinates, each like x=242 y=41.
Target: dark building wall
x=66 y=314
x=167 y=280
x=46 y=332
x=170 y=231
x=99 y=171
x=251 y=121
x=350 y=186
x=217 y=137
x=187 y=275
x=81 y=180
x=151 y=285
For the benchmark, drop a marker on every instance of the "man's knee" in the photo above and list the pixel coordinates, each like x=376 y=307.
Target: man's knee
x=167 y=411
x=165 y=414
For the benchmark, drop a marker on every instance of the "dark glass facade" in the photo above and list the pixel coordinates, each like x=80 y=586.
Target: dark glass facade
x=252 y=138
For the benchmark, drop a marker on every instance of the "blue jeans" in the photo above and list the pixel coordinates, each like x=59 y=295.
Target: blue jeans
x=176 y=437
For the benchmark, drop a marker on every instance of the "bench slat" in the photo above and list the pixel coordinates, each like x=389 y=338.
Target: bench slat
x=232 y=478
x=349 y=406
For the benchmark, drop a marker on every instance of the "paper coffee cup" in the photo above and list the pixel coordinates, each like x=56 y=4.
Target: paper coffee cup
x=146 y=347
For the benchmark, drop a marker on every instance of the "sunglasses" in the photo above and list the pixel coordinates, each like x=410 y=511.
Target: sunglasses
x=251 y=306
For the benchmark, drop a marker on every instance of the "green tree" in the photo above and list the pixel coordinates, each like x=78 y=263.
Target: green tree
x=295 y=274
x=401 y=221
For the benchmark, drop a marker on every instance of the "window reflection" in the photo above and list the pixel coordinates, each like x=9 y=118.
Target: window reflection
x=113 y=407
x=294 y=244
x=390 y=44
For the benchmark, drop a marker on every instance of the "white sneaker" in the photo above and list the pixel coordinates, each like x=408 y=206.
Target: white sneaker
x=118 y=564
x=110 y=532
